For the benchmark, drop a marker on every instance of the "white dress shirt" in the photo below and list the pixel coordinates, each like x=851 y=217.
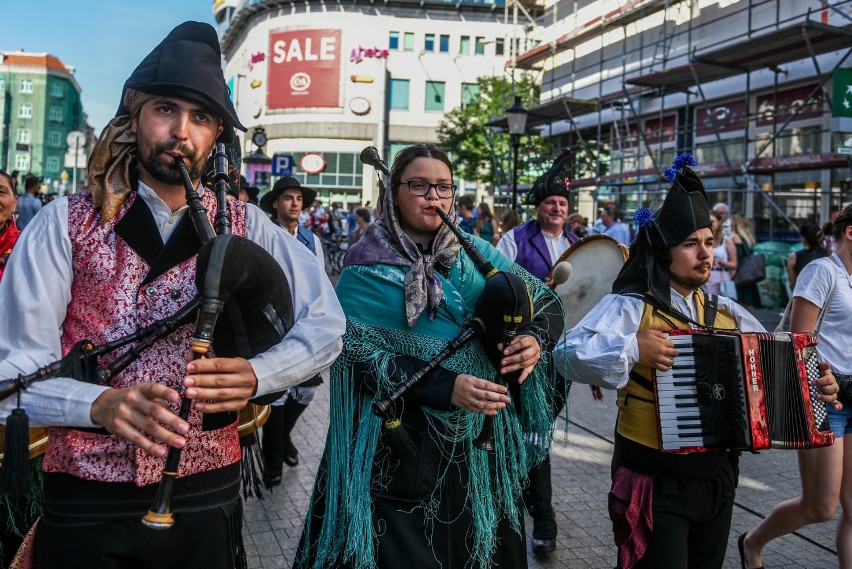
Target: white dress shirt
x=602 y=348
x=36 y=290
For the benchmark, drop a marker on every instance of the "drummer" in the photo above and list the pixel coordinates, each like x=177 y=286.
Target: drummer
x=540 y=242
x=669 y=511
x=536 y=246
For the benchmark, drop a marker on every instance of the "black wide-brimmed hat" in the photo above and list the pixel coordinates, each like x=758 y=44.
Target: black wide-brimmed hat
x=684 y=211
x=286 y=183
x=554 y=182
x=187 y=64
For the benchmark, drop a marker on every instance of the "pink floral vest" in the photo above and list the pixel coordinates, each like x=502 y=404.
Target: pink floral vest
x=108 y=301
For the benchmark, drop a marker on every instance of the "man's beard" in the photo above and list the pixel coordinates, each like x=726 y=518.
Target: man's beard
x=164 y=170
x=691 y=282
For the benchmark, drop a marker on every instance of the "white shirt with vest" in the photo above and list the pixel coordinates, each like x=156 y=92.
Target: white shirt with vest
x=36 y=290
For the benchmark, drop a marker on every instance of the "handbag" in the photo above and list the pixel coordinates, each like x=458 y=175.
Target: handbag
x=728 y=288
x=751 y=268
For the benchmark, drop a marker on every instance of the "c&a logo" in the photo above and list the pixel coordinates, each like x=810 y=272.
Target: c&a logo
x=300 y=82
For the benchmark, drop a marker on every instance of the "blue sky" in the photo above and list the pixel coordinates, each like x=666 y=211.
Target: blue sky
x=104 y=40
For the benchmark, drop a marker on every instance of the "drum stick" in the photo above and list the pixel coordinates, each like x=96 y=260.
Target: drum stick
x=561 y=273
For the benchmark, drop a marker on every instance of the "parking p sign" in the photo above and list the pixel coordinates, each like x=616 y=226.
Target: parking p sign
x=282 y=165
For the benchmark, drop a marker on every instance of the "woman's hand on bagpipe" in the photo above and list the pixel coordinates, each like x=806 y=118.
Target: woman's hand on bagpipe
x=522 y=354
x=219 y=384
x=139 y=412
x=828 y=387
x=479 y=395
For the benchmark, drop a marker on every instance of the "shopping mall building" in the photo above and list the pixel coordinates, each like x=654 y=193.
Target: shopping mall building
x=756 y=89
x=326 y=79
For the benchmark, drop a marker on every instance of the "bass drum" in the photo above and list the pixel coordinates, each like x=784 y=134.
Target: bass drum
x=38 y=442
x=595 y=262
x=252 y=418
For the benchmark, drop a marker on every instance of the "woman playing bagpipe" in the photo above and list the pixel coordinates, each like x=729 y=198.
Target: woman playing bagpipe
x=411 y=488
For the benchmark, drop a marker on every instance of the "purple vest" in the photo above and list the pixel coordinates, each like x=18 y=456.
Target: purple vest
x=533 y=254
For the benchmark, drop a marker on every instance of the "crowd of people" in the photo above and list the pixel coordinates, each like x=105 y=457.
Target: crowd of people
x=404 y=479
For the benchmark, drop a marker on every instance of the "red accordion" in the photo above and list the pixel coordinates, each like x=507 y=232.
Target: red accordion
x=740 y=391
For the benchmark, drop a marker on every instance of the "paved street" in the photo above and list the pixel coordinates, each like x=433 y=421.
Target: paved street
x=581 y=483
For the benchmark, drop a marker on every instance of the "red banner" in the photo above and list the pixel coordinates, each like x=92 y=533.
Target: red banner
x=304 y=69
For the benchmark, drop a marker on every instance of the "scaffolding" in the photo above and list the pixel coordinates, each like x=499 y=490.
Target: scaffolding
x=651 y=86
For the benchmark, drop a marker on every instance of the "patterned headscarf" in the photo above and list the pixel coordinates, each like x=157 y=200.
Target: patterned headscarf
x=387 y=243
x=112 y=157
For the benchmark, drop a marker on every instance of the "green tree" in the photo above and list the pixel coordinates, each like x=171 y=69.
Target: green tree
x=484 y=154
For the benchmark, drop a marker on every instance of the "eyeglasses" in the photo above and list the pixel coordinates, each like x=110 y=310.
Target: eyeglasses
x=420 y=188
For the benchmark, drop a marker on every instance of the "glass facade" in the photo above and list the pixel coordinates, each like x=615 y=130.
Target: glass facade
x=342 y=177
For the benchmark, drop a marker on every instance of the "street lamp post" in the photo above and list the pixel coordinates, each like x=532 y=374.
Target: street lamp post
x=516 y=116
x=257 y=163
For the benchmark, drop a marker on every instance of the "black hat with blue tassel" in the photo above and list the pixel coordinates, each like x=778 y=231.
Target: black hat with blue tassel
x=684 y=211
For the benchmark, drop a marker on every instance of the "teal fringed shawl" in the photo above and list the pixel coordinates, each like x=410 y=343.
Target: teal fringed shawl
x=373 y=299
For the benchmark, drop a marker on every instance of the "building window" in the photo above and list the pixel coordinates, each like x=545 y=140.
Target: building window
x=408 y=44
x=26 y=85
x=24 y=136
x=464 y=45
x=57 y=90
x=479 y=48
x=399 y=94
x=54 y=138
x=435 y=95
x=54 y=114
x=22 y=162
x=25 y=111
x=52 y=164
x=498 y=46
x=429 y=42
x=2 y=84
x=444 y=45
x=393 y=40
x=469 y=93
x=343 y=171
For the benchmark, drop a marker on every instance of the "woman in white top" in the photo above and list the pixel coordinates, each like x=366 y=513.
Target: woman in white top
x=724 y=258
x=823 y=285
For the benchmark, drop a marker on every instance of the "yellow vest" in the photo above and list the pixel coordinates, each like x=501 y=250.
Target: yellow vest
x=637 y=415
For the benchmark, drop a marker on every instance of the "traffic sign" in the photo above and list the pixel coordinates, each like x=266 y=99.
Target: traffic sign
x=282 y=165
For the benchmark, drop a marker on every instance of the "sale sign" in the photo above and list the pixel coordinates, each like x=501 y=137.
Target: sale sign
x=304 y=69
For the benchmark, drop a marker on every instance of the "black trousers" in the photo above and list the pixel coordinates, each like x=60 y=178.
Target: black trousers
x=201 y=540
x=692 y=520
x=538 y=495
